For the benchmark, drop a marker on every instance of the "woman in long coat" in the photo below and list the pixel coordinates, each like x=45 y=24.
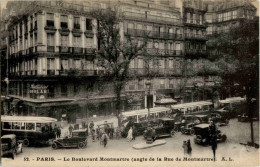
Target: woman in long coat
x=130 y=134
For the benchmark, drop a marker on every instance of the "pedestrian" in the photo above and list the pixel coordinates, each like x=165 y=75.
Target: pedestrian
x=104 y=139
x=91 y=125
x=93 y=134
x=130 y=134
x=111 y=132
x=98 y=133
x=213 y=138
x=185 y=147
x=189 y=147
x=153 y=134
x=58 y=132
x=134 y=133
x=70 y=130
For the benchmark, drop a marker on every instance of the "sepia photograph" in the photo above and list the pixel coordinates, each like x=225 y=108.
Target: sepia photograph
x=88 y=83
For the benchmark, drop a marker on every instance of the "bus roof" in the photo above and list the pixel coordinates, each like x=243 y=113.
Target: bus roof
x=202 y=126
x=232 y=100
x=191 y=105
x=166 y=101
x=5 y=118
x=145 y=111
x=200 y=116
x=8 y=136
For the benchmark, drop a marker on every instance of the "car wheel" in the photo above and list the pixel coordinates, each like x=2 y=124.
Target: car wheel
x=199 y=139
x=172 y=133
x=175 y=129
x=26 y=142
x=54 y=146
x=81 y=145
x=192 y=132
x=224 y=138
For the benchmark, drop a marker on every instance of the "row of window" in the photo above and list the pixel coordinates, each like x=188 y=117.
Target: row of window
x=157 y=84
x=64 y=22
x=65 y=64
x=221 y=28
x=194 y=18
x=159 y=29
x=158 y=63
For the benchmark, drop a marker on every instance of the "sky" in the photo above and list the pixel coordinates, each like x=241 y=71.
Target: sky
x=256 y=3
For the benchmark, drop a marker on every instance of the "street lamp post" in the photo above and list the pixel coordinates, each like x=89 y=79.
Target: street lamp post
x=148 y=85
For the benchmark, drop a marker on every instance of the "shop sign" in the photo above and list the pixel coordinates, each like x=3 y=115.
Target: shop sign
x=39 y=89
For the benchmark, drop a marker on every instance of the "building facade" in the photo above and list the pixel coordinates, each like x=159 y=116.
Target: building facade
x=51 y=56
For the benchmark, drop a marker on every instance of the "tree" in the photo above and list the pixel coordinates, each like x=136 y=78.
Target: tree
x=115 y=51
x=240 y=47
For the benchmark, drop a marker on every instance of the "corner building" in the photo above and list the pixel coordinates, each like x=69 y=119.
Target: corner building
x=51 y=56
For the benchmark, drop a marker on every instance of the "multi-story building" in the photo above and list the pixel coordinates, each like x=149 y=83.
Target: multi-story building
x=222 y=15
x=51 y=56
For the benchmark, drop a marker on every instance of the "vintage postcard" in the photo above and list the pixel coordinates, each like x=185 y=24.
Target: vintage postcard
x=129 y=83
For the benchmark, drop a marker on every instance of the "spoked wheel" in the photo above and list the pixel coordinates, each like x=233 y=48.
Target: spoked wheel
x=26 y=142
x=81 y=145
x=172 y=133
x=54 y=146
x=183 y=131
x=192 y=132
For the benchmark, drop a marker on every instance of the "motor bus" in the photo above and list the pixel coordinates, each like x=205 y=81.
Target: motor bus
x=193 y=108
x=141 y=115
x=32 y=130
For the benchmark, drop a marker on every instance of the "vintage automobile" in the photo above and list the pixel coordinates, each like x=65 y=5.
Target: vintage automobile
x=78 y=139
x=221 y=117
x=188 y=129
x=140 y=127
x=245 y=118
x=10 y=146
x=182 y=121
x=203 y=135
x=199 y=119
x=165 y=127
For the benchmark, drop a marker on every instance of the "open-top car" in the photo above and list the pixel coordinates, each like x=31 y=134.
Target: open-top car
x=78 y=139
x=203 y=135
x=10 y=146
x=188 y=129
x=220 y=116
x=199 y=119
x=165 y=127
x=182 y=121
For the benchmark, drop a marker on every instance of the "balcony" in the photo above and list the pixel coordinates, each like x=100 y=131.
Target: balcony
x=50 y=72
x=64 y=31
x=159 y=19
x=191 y=36
x=164 y=52
x=89 y=34
x=154 y=72
x=77 y=50
x=50 y=48
x=31 y=50
x=50 y=29
x=64 y=49
x=153 y=34
x=81 y=73
x=194 y=53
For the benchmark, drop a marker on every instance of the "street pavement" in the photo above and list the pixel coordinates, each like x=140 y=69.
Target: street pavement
x=236 y=132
